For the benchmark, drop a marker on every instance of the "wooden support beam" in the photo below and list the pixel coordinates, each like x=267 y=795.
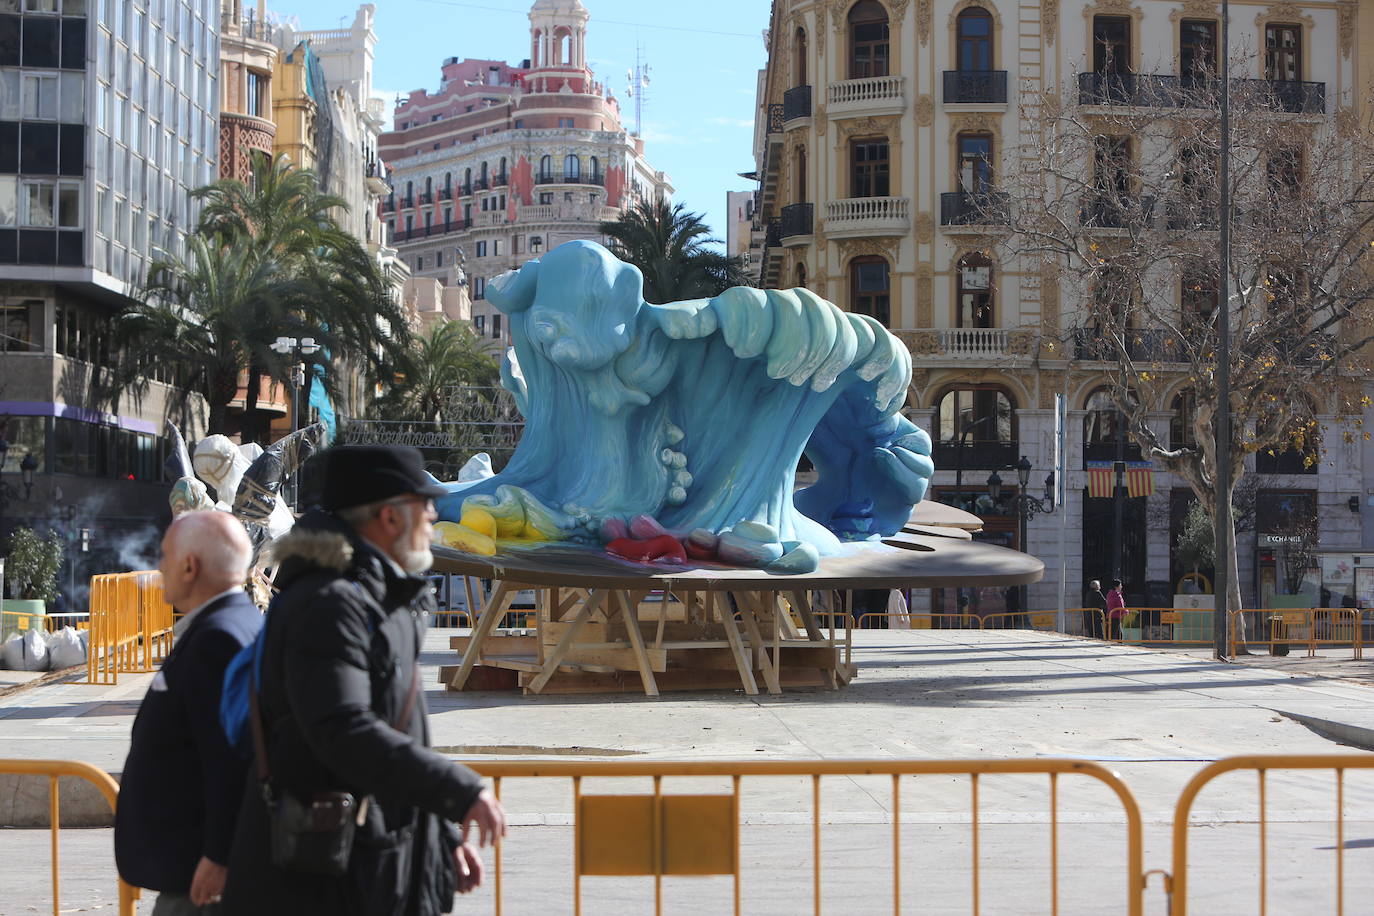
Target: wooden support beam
x=748 y=611
x=629 y=613
x=727 y=617
x=496 y=606
x=552 y=659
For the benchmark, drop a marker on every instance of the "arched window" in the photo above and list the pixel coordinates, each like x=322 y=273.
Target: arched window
x=467 y=181
x=562 y=49
x=1181 y=428
x=975 y=309
x=868 y=288
x=596 y=170
x=429 y=186
x=1103 y=424
x=799 y=58
x=448 y=181
x=974 y=428
x=410 y=193
x=868 y=48
x=572 y=167
x=502 y=173
x=801 y=276
x=975 y=163
x=484 y=173
x=974 y=37
x=545 y=168
x=799 y=176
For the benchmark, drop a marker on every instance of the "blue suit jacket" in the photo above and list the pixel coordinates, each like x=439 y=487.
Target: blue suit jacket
x=180 y=792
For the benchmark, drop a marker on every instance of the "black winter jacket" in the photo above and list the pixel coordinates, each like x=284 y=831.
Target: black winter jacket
x=179 y=793
x=342 y=643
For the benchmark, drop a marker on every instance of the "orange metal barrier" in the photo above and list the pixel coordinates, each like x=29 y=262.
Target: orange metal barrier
x=1314 y=628
x=1177 y=884
x=657 y=835
x=96 y=777
x=130 y=624
x=922 y=620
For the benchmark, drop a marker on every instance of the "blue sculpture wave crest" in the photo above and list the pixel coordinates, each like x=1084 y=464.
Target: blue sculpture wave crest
x=694 y=414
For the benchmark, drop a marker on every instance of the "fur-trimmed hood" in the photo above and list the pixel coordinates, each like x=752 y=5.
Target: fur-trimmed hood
x=320 y=542
x=322 y=547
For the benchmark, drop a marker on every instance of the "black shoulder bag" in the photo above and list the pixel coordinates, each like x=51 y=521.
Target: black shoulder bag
x=315 y=835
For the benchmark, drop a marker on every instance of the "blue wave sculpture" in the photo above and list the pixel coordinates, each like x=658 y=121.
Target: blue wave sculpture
x=689 y=418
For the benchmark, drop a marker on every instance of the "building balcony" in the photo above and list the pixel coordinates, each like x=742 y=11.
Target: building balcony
x=797 y=224
x=245 y=134
x=796 y=104
x=1106 y=451
x=500 y=181
x=775 y=119
x=771 y=269
x=426 y=198
x=973 y=455
x=1115 y=213
x=965 y=347
x=959 y=209
x=407 y=203
x=389 y=205
x=446 y=193
x=1163 y=90
x=1142 y=344
x=874 y=95
x=479 y=185
x=975 y=87
x=861 y=216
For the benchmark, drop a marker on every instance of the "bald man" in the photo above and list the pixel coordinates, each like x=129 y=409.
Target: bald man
x=180 y=791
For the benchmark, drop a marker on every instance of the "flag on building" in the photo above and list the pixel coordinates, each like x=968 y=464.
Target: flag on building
x=1140 y=479
x=1100 y=479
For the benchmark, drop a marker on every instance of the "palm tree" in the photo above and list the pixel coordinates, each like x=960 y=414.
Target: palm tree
x=450 y=355
x=267 y=259
x=670 y=246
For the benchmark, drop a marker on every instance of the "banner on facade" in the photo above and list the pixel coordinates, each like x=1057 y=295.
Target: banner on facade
x=1140 y=479
x=1100 y=481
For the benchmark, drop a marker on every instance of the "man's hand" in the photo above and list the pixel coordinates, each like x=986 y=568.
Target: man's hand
x=207 y=884
x=489 y=817
x=469 y=867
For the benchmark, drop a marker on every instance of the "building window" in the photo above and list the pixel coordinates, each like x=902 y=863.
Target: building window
x=975 y=292
x=17 y=320
x=1112 y=168
x=974 y=28
x=869 y=162
x=1197 y=48
x=479 y=287
x=438 y=259
x=1283 y=52
x=545 y=168
x=496 y=248
x=545 y=198
x=496 y=327
x=479 y=324
x=49 y=204
x=420 y=263
x=799 y=58
x=1284 y=171
x=1111 y=44
x=572 y=168
x=519 y=123
x=974 y=415
x=975 y=163
x=801 y=276
x=868 y=288
x=868 y=47
x=1199 y=296
x=481 y=249
x=253 y=94
x=1182 y=425
x=565 y=122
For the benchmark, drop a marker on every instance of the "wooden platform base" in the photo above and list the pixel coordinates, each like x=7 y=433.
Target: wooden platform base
x=683 y=679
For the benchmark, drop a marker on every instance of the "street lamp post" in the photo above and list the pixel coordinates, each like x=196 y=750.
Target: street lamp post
x=1024 y=505
x=303 y=347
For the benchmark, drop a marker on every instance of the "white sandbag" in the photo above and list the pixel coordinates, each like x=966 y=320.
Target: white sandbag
x=26 y=652
x=66 y=649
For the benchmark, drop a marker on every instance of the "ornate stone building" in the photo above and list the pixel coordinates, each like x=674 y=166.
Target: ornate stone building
x=887 y=132
x=504 y=162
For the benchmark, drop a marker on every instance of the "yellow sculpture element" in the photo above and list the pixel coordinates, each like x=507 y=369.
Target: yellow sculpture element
x=460 y=537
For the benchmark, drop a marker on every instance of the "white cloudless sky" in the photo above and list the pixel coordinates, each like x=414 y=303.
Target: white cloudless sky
x=703 y=58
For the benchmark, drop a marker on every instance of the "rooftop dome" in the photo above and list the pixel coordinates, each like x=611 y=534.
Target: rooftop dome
x=558 y=6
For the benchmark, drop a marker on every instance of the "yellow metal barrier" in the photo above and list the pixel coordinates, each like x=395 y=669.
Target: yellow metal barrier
x=1262 y=764
x=130 y=624
x=1333 y=627
x=96 y=777
x=660 y=835
x=922 y=620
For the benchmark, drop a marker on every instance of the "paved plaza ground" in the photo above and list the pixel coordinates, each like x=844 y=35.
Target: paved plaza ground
x=1154 y=716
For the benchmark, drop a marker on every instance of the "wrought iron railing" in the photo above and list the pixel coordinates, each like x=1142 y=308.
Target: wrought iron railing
x=971 y=87
x=796 y=103
x=976 y=208
x=797 y=219
x=774 y=118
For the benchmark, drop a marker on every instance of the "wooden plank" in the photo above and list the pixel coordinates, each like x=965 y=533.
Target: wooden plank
x=500 y=644
x=623 y=659
x=483 y=678
x=554 y=657
x=748 y=612
x=821 y=659
x=727 y=617
x=629 y=615
x=591 y=631
x=622 y=682
x=496 y=606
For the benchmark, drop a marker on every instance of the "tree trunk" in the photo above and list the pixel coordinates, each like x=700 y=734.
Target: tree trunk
x=252 y=417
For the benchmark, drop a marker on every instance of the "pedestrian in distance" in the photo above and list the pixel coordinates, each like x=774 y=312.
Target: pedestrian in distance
x=1095 y=616
x=347 y=810
x=179 y=794
x=1116 y=610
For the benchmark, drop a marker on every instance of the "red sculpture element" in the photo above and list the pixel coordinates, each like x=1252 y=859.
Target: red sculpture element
x=665 y=547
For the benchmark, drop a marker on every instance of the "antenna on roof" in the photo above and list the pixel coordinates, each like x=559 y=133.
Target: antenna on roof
x=637 y=88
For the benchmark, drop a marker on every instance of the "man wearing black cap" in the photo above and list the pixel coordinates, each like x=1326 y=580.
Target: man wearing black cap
x=342 y=712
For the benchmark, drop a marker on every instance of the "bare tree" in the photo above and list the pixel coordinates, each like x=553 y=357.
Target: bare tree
x=1121 y=204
